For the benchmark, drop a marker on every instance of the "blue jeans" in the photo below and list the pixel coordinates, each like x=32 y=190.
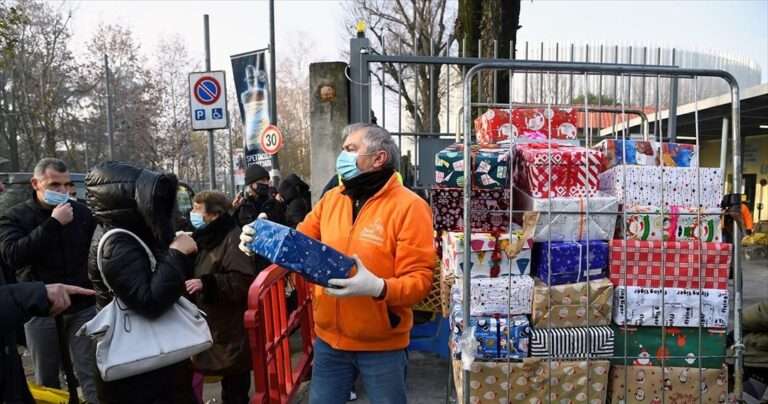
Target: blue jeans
x=333 y=374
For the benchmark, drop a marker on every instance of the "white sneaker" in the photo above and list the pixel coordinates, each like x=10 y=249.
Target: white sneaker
x=352 y=396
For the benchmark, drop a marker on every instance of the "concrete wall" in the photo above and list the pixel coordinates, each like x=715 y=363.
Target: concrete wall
x=755 y=161
x=329 y=114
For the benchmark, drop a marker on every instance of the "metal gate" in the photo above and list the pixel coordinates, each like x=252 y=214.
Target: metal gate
x=579 y=75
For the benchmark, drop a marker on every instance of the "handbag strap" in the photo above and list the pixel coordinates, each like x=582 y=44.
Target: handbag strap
x=102 y=241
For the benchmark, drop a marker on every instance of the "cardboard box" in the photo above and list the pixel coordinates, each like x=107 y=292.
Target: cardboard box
x=563 y=262
x=683 y=264
x=568 y=304
x=534 y=381
x=664 y=186
x=643 y=307
x=630 y=152
x=574 y=170
x=678 y=223
x=560 y=226
x=497 y=125
x=292 y=250
x=677 y=155
x=489 y=213
x=491 y=168
x=573 y=343
x=677 y=346
x=492 y=255
x=656 y=385
x=508 y=295
x=499 y=337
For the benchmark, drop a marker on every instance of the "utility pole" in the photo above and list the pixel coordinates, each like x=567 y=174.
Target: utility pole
x=110 y=133
x=231 y=157
x=211 y=146
x=275 y=174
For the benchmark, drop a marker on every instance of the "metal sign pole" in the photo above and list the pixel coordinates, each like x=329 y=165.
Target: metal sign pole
x=211 y=146
x=275 y=174
x=231 y=157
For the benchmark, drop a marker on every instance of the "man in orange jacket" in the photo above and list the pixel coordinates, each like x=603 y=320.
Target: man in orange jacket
x=363 y=323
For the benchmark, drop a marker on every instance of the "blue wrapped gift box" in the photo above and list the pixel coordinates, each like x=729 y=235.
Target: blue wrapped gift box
x=571 y=261
x=498 y=337
x=294 y=251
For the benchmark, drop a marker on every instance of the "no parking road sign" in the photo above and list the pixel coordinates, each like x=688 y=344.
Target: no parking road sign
x=208 y=100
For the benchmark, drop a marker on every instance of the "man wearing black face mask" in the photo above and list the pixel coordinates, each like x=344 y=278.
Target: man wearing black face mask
x=256 y=199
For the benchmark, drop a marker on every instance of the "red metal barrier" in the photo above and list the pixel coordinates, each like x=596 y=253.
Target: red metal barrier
x=269 y=326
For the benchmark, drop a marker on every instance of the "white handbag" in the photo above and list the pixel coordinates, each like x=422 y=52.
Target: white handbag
x=129 y=344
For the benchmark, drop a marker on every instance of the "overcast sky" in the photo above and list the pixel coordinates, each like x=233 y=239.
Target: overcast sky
x=737 y=28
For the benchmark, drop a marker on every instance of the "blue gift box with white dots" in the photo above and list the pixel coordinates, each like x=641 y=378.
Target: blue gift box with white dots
x=294 y=251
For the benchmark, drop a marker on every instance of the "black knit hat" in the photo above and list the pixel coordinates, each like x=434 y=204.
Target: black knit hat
x=255 y=173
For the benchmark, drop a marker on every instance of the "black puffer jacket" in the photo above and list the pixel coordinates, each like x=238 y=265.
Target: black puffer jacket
x=39 y=248
x=253 y=206
x=141 y=201
x=18 y=302
x=297 y=200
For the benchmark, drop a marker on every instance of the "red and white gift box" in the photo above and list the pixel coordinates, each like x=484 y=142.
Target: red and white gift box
x=574 y=170
x=501 y=124
x=639 y=263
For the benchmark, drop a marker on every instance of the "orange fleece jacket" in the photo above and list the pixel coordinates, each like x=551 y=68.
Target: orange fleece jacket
x=392 y=235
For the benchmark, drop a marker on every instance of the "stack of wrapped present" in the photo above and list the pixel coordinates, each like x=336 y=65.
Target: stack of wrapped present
x=572 y=303
x=670 y=270
x=528 y=340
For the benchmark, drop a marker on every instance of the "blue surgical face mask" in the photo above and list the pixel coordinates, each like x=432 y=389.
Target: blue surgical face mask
x=54 y=198
x=346 y=165
x=197 y=220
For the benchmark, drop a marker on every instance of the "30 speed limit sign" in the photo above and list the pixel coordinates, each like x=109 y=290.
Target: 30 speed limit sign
x=271 y=140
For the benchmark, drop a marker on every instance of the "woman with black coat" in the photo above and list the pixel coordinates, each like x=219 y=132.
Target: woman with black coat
x=142 y=202
x=221 y=279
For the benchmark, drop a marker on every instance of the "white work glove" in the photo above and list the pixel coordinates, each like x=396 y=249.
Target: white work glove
x=246 y=238
x=364 y=283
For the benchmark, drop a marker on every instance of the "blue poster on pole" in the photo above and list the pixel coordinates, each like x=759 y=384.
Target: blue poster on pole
x=252 y=85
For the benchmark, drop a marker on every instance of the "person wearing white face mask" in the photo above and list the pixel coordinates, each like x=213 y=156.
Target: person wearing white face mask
x=363 y=323
x=220 y=283
x=47 y=238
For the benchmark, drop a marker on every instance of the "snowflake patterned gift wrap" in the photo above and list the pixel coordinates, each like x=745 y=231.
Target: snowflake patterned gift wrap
x=492 y=255
x=676 y=345
x=568 y=220
x=534 y=381
x=682 y=264
x=562 y=262
x=490 y=209
x=639 y=306
x=664 y=186
x=573 y=343
x=497 y=337
x=503 y=295
x=677 y=223
x=292 y=250
x=574 y=170
x=631 y=152
x=668 y=385
x=565 y=306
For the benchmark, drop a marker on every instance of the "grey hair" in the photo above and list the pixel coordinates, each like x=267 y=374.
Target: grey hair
x=376 y=139
x=49 y=162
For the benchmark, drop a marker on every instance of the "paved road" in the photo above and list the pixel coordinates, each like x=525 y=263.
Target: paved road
x=428 y=375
